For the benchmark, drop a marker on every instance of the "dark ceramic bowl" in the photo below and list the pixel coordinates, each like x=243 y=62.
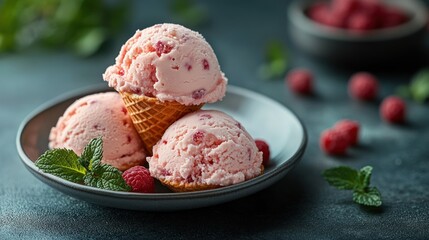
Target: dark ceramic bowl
x=371 y=48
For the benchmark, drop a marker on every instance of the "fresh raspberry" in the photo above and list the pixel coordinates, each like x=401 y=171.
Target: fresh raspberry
x=345 y=7
x=392 y=17
x=318 y=12
x=361 y=22
x=333 y=142
x=265 y=149
x=338 y=20
x=138 y=177
x=350 y=129
x=300 y=81
x=393 y=109
x=373 y=8
x=363 y=86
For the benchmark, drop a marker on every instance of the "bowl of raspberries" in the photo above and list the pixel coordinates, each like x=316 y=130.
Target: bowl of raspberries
x=362 y=32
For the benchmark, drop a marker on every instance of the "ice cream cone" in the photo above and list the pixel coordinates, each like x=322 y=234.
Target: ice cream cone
x=152 y=117
x=186 y=187
x=176 y=186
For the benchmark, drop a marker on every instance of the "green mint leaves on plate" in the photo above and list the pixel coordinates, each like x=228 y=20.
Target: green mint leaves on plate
x=346 y=178
x=86 y=169
x=418 y=89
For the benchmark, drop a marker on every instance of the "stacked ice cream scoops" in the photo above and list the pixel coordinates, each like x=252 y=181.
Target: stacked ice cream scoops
x=164 y=75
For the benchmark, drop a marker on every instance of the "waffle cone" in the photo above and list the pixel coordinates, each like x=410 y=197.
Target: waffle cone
x=152 y=117
x=190 y=187
x=186 y=187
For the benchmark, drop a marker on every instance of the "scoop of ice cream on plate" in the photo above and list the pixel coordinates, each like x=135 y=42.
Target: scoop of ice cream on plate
x=162 y=73
x=101 y=114
x=203 y=150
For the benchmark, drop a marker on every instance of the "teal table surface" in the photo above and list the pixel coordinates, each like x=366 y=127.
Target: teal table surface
x=300 y=206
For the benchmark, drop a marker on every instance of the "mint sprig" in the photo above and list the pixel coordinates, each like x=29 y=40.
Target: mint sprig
x=346 y=178
x=86 y=169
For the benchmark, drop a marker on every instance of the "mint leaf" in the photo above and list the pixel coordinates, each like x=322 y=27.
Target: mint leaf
x=420 y=86
x=276 y=60
x=62 y=163
x=89 y=41
x=106 y=177
x=418 y=89
x=369 y=197
x=364 y=177
x=343 y=178
x=92 y=153
x=346 y=178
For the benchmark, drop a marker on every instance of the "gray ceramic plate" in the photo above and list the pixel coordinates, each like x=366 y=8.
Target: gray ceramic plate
x=261 y=116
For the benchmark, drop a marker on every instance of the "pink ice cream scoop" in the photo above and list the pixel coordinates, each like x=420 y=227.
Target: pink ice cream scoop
x=101 y=114
x=169 y=62
x=205 y=148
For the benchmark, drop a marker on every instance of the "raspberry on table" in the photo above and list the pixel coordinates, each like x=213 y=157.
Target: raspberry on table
x=265 y=149
x=393 y=109
x=300 y=81
x=138 y=177
x=350 y=129
x=333 y=142
x=363 y=86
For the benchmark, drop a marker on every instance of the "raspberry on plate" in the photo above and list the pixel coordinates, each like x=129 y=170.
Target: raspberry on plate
x=300 y=81
x=333 y=142
x=393 y=109
x=350 y=129
x=265 y=149
x=363 y=86
x=138 y=177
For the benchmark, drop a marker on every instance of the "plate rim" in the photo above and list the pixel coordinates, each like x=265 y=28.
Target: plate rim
x=284 y=167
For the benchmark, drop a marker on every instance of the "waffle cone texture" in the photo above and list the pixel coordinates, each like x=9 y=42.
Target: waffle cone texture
x=176 y=186
x=186 y=187
x=152 y=117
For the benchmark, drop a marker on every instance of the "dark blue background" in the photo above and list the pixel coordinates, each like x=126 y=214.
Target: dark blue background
x=300 y=206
